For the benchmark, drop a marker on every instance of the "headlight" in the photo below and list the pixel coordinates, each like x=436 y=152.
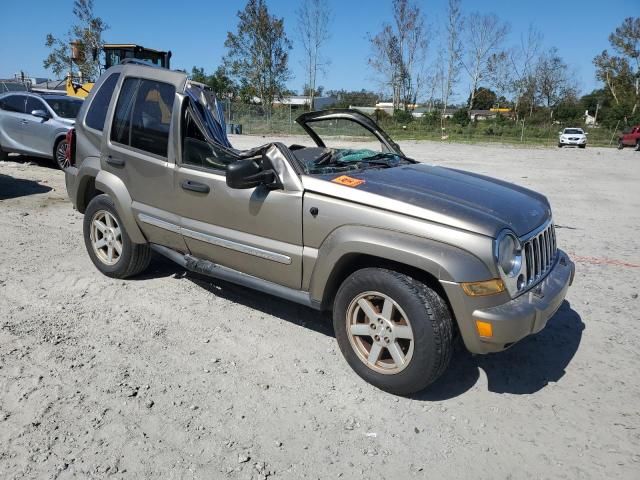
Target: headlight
x=509 y=254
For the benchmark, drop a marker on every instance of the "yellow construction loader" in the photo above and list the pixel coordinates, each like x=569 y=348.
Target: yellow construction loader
x=114 y=54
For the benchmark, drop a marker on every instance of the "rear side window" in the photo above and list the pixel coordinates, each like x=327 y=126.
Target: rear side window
x=100 y=103
x=143 y=115
x=13 y=103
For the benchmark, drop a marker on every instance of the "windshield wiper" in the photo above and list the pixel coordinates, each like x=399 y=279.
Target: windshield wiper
x=323 y=159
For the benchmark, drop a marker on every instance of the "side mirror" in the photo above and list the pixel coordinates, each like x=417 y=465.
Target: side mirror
x=559 y=133
x=586 y=133
x=248 y=174
x=40 y=114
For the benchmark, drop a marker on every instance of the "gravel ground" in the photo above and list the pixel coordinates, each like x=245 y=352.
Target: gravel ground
x=172 y=375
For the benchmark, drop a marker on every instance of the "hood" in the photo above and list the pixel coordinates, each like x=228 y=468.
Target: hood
x=453 y=197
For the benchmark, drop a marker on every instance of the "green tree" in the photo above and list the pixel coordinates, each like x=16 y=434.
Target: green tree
x=621 y=73
x=87 y=33
x=483 y=99
x=258 y=53
x=461 y=117
x=219 y=81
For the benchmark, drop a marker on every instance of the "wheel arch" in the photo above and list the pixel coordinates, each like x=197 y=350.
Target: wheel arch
x=351 y=248
x=111 y=185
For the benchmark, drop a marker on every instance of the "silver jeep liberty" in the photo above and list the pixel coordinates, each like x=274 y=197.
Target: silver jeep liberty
x=407 y=256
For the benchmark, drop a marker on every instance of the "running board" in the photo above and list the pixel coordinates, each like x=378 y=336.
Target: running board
x=214 y=270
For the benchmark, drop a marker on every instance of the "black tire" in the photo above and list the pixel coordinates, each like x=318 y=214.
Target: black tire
x=638 y=146
x=134 y=257
x=429 y=319
x=3 y=155
x=559 y=145
x=58 y=148
x=620 y=144
x=582 y=146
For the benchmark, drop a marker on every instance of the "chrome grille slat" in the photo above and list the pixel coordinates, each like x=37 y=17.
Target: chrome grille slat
x=539 y=254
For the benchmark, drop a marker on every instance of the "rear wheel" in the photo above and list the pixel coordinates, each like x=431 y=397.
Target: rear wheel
x=620 y=144
x=60 y=154
x=108 y=244
x=394 y=331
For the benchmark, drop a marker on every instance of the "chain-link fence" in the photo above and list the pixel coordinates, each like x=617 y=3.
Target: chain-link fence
x=254 y=120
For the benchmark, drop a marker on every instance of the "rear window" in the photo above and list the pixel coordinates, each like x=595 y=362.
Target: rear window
x=100 y=104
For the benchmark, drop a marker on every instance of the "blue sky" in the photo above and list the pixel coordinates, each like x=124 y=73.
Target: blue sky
x=196 y=36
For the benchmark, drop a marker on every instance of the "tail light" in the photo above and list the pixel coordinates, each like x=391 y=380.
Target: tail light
x=70 y=154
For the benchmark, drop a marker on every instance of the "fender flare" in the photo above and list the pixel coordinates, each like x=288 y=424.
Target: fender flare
x=442 y=261
x=115 y=188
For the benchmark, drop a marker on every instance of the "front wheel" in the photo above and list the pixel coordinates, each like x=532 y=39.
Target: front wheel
x=582 y=146
x=108 y=244
x=3 y=155
x=394 y=331
x=559 y=145
x=620 y=144
x=638 y=146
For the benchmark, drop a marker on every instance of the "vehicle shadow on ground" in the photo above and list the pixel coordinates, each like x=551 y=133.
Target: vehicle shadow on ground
x=39 y=161
x=525 y=368
x=11 y=187
x=288 y=311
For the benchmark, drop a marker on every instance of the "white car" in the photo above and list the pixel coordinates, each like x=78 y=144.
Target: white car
x=572 y=136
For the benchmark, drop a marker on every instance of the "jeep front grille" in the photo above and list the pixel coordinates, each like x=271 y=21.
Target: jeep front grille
x=539 y=253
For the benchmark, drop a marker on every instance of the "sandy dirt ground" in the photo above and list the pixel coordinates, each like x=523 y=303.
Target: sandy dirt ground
x=172 y=375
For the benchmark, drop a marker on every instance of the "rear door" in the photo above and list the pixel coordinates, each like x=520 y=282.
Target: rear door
x=138 y=151
x=12 y=119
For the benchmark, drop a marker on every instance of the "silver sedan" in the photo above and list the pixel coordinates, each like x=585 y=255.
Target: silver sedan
x=36 y=125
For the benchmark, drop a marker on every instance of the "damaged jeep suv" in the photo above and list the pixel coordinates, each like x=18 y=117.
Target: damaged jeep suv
x=407 y=256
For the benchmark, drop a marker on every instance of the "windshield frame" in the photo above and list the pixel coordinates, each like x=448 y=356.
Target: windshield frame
x=306 y=121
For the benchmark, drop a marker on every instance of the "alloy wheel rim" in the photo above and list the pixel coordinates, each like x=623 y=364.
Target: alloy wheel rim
x=380 y=332
x=61 y=154
x=106 y=237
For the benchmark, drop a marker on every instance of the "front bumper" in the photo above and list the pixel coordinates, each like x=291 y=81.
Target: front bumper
x=514 y=319
x=573 y=142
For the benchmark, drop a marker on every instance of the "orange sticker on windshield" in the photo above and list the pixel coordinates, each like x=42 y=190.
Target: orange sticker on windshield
x=348 y=181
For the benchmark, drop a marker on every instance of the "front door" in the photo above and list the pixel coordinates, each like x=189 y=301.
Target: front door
x=256 y=231
x=38 y=132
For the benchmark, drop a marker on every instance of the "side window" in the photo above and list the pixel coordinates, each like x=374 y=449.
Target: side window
x=143 y=115
x=196 y=151
x=151 y=117
x=13 y=103
x=35 y=104
x=100 y=104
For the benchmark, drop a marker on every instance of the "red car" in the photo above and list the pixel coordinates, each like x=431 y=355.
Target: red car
x=630 y=138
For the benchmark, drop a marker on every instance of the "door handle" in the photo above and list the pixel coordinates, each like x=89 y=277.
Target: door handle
x=117 y=162
x=195 y=186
